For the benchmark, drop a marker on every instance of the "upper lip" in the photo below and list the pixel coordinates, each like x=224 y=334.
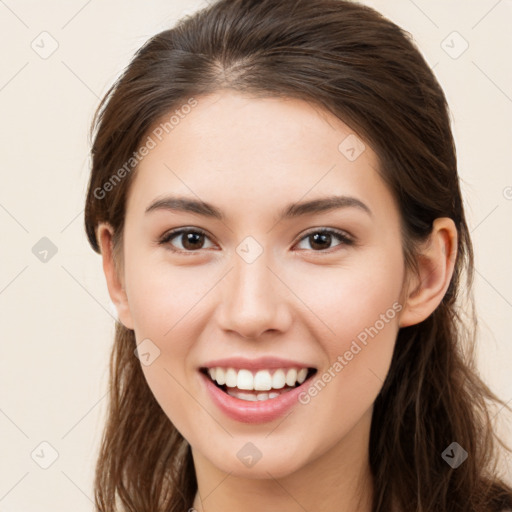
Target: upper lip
x=260 y=363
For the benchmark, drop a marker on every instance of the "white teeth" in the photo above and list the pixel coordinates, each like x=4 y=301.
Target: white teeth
x=262 y=380
x=250 y=397
x=220 y=376
x=244 y=380
x=278 y=379
x=301 y=375
x=231 y=378
x=291 y=377
x=243 y=396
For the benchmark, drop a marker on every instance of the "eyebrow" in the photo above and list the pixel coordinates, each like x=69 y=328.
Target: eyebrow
x=293 y=210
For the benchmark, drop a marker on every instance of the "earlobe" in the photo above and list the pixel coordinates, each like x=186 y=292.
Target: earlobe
x=115 y=283
x=436 y=264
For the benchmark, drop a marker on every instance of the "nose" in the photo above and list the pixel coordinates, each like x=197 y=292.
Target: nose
x=254 y=300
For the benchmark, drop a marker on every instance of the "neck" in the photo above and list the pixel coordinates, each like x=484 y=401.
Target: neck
x=337 y=480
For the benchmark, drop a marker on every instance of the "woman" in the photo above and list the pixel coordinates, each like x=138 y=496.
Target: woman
x=275 y=196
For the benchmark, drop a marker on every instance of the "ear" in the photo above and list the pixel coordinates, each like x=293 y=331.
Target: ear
x=116 y=290
x=436 y=264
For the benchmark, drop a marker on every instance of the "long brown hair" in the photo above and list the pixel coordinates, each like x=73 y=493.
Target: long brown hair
x=350 y=60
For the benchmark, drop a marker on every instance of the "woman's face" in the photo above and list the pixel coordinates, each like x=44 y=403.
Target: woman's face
x=262 y=285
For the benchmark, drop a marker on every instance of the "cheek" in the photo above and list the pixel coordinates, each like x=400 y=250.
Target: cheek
x=164 y=308
x=165 y=303
x=360 y=306
x=359 y=357
x=352 y=299
x=169 y=389
x=165 y=299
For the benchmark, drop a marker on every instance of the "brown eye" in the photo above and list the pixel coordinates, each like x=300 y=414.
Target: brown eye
x=321 y=239
x=190 y=240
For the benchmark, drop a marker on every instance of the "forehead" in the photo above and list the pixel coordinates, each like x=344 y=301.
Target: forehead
x=254 y=154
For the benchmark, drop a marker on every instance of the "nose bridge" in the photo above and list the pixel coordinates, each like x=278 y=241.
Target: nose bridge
x=252 y=300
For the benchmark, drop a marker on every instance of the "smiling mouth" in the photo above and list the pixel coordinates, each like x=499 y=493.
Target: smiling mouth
x=260 y=385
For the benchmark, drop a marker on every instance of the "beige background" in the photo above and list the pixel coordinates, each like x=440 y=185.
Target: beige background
x=56 y=317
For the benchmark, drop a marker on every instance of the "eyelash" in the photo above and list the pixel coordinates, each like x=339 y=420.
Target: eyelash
x=342 y=236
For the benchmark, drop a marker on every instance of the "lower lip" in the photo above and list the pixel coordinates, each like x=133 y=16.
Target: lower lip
x=261 y=411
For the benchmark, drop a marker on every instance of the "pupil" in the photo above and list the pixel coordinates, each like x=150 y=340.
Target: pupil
x=324 y=237
x=190 y=239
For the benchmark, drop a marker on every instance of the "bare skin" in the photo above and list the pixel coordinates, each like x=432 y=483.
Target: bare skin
x=250 y=158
